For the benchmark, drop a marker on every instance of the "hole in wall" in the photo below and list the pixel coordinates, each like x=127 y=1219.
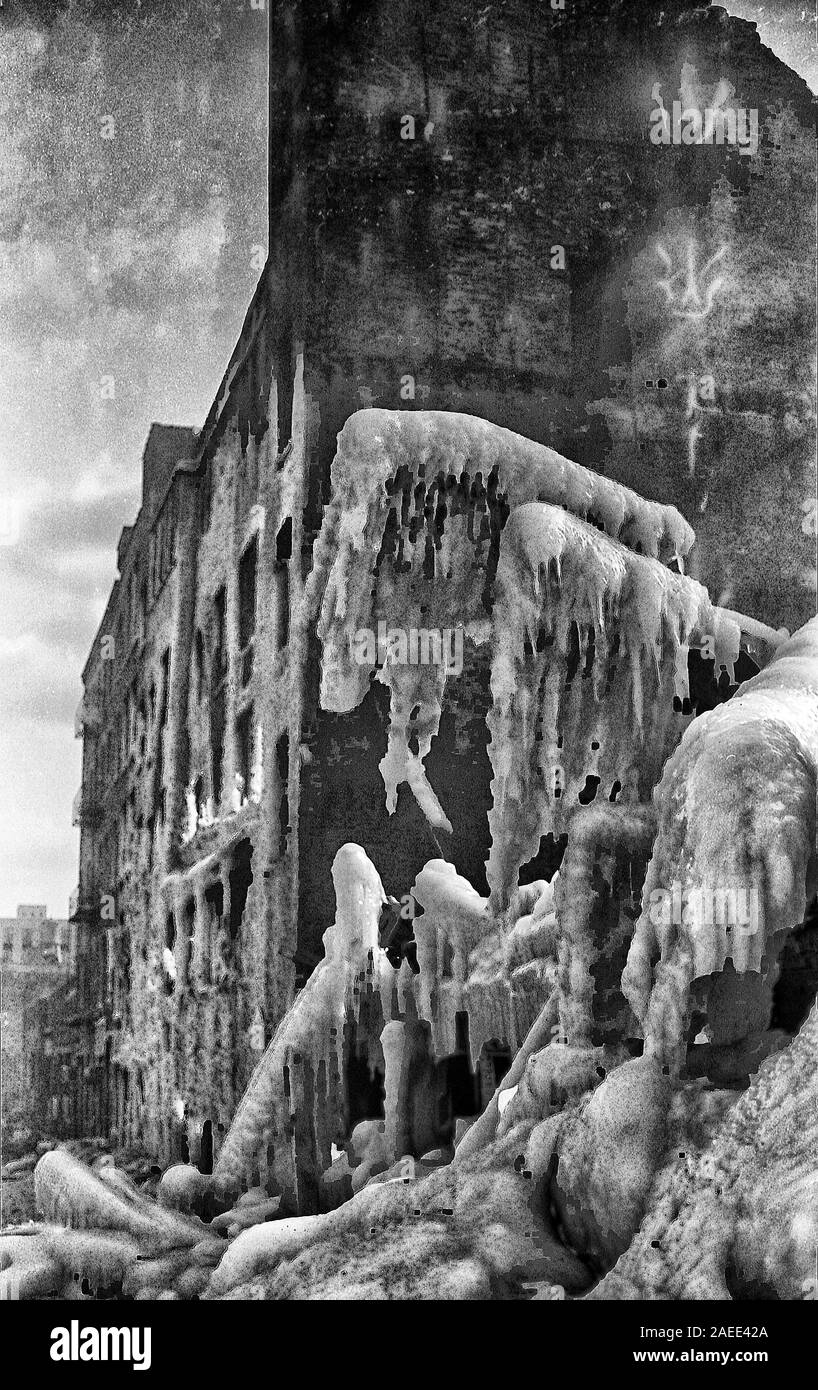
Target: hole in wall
x=241 y=876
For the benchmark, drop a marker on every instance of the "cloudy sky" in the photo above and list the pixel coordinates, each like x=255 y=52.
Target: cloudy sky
x=132 y=206
x=788 y=27
x=131 y=216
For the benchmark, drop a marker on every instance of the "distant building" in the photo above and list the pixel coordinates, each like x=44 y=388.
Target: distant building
x=124 y=719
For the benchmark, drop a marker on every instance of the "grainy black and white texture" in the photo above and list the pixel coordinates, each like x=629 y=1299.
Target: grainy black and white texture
x=445 y=920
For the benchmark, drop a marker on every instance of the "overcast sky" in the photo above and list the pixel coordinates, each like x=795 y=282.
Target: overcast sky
x=788 y=27
x=131 y=215
x=132 y=204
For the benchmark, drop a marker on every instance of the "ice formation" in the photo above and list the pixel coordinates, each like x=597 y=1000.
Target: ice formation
x=586 y=663
x=469 y=961
x=608 y=848
x=27 y=1269
x=301 y=1072
x=454 y=919
x=440 y=522
x=431 y=524
x=737 y=834
x=411 y=540
x=69 y=1193
x=734 y=1214
x=537 y=1039
x=101 y=1235
x=598 y=1188
x=629 y=1186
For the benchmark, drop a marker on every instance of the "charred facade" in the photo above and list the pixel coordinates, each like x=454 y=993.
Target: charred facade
x=444 y=239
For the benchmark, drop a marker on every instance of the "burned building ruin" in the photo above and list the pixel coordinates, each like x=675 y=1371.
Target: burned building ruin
x=340 y=881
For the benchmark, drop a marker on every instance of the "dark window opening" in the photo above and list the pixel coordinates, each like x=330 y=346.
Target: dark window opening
x=572 y=655
x=214 y=897
x=244 y=749
x=365 y=1091
x=206 y=1148
x=159 y=768
x=462 y=1093
x=218 y=693
x=220 y=633
x=247 y=607
x=283 y=766
x=795 y=990
x=206 y=498
x=218 y=717
x=241 y=876
x=447 y=959
x=284 y=541
x=284 y=550
x=590 y=652
x=284 y=394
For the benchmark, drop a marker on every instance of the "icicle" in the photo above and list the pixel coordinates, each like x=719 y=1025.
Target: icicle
x=392 y=1043
x=453 y=920
x=414 y=712
x=376 y=445
x=409 y=538
x=313 y=1029
x=586 y=643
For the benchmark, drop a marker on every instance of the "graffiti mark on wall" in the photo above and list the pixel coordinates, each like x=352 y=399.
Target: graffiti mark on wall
x=691 y=291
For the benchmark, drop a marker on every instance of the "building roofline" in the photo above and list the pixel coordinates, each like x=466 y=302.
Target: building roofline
x=246 y=337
